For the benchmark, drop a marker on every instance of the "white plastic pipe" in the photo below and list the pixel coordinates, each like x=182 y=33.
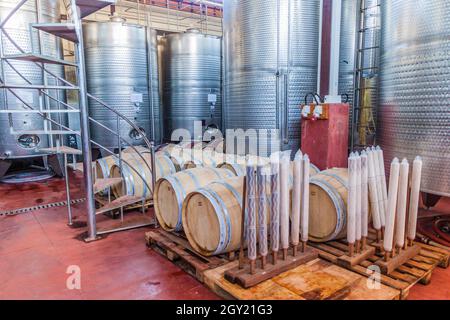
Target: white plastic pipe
x=275 y=203
x=358 y=197
x=262 y=210
x=305 y=200
x=414 y=198
x=373 y=195
x=351 y=201
x=296 y=199
x=401 y=204
x=379 y=187
x=284 y=198
x=364 y=195
x=251 y=212
x=392 y=204
x=380 y=155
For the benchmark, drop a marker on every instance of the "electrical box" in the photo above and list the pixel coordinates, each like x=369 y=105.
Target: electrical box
x=325 y=134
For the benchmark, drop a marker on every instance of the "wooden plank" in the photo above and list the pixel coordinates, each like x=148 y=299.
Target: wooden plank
x=347 y=262
x=315 y=280
x=178 y=250
x=398 y=260
x=244 y=278
x=435 y=252
x=418 y=269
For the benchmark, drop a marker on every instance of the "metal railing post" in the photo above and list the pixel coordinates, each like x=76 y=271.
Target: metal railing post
x=84 y=128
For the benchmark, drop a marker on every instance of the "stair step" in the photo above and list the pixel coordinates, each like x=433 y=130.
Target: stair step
x=28 y=111
x=88 y=7
x=32 y=57
x=37 y=87
x=119 y=203
x=61 y=30
x=102 y=184
x=62 y=150
x=79 y=166
x=46 y=132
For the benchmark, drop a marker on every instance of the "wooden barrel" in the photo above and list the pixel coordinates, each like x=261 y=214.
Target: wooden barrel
x=237 y=165
x=328 y=205
x=186 y=159
x=171 y=191
x=133 y=184
x=212 y=217
x=104 y=165
x=140 y=149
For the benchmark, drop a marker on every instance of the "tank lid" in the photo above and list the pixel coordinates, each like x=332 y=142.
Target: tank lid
x=193 y=30
x=116 y=18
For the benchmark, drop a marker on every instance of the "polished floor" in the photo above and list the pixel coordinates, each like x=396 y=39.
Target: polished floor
x=37 y=248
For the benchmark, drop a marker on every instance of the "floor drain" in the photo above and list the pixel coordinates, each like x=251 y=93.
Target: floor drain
x=40 y=207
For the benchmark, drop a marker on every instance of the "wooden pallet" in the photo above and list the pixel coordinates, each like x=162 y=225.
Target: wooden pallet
x=416 y=270
x=315 y=280
x=440 y=254
x=178 y=250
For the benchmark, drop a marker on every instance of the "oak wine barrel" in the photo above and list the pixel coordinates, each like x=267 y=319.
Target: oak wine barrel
x=171 y=191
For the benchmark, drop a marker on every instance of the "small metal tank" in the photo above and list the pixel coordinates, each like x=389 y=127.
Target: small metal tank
x=119 y=58
x=192 y=81
x=30 y=41
x=271 y=60
x=414 y=110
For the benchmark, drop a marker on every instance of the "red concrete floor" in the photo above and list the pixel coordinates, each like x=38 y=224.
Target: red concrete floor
x=36 y=248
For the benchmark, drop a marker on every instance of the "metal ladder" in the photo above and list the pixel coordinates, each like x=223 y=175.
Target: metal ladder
x=360 y=104
x=72 y=31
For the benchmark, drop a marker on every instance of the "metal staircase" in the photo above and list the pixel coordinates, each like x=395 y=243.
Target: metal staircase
x=72 y=31
x=363 y=120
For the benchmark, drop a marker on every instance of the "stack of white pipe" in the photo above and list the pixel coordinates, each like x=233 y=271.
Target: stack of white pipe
x=284 y=200
x=358 y=199
x=250 y=212
x=300 y=199
x=364 y=195
x=392 y=206
x=394 y=235
x=351 y=201
x=375 y=189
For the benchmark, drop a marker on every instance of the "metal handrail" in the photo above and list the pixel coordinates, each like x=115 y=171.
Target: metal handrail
x=58 y=78
x=78 y=134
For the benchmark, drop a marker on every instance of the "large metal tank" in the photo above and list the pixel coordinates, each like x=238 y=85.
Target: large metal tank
x=30 y=41
x=122 y=71
x=347 y=48
x=414 y=110
x=271 y=58
x=192 y=77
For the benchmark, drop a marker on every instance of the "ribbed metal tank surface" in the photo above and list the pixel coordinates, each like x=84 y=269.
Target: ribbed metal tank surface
x=18 y=27
x=414 y=111
x=347 y=48
x=192 y=72
x=271 y=58
x=118 y=59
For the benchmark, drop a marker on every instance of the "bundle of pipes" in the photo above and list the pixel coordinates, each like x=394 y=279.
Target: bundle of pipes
x=357 y=203
x=256 y=213
x=377 y=189
x=396 y=214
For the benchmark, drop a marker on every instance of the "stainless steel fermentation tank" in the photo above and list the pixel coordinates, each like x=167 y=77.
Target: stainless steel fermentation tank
x=192 y=84
x=271 y=59
x=30 y=41
x=414 y=111
x=122 y=71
